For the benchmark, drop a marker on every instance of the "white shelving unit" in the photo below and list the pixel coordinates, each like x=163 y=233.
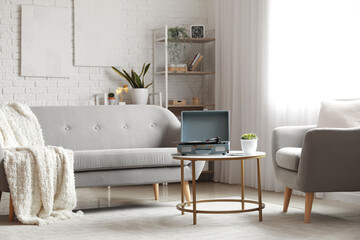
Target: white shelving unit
x=160 y=36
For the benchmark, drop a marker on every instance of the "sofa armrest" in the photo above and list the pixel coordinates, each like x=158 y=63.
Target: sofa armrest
x=288 y=136
x=172 y=136
x=330 y=160
x=1 y=152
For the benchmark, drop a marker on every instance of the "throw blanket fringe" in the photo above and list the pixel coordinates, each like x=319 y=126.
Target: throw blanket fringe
x=41 y=178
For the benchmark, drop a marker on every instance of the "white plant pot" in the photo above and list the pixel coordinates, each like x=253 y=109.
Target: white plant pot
x=140 y=95
x=249 y=146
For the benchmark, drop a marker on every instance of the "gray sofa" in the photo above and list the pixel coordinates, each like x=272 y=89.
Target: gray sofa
x=313 y=159
x=115 y=145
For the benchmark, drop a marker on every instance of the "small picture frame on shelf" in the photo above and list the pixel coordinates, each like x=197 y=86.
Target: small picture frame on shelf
x=197 y=31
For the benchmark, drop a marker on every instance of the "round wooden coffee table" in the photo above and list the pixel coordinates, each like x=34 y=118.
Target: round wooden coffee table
x=232 y=156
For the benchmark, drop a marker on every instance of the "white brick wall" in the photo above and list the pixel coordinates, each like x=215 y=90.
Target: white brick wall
x=85 y=82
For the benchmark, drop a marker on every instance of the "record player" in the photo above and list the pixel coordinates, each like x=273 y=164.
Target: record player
x=205 y=132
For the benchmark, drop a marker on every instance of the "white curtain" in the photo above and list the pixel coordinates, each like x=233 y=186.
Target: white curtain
x=241 y=82
x=276 y=60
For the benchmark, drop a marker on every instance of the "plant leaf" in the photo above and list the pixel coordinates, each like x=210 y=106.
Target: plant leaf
x=125 y=76
x=142 y=71
x=120 y=73
x=131 y=81
x=128 y=75
x=146 y=68
x=145 y=71
x=148 y=85
x=138 y=80
x=134 y=78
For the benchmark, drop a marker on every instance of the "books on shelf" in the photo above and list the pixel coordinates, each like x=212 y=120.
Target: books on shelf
x=195 y=62
x=178 y=68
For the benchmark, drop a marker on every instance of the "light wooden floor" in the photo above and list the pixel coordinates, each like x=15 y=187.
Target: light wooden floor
x=99 y=197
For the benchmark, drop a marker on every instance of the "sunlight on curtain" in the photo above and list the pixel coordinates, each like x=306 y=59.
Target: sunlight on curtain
x=314 y=52
x=314 y=55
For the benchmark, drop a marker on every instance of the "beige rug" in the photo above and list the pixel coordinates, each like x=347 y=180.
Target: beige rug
x=163 y=221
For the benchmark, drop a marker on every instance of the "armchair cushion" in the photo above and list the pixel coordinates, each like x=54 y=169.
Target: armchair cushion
x=339 y=114
x=288 y=158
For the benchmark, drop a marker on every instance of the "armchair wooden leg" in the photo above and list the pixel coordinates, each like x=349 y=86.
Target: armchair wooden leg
x=309 y=197
x=287 y=196
x=156 y=191
x=187 y=191
x=11 y=211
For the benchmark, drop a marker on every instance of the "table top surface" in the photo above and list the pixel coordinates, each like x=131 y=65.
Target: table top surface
x=233 y=155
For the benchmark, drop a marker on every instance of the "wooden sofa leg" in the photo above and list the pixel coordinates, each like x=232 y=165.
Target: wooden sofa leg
x=287 y=196
x=309 y=197
x=156 y=191
x=11 y=211
x=187 y=192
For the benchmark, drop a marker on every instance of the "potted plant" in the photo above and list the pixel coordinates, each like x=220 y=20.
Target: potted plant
x=140 y=92
x=249 y=143
x=175 y=36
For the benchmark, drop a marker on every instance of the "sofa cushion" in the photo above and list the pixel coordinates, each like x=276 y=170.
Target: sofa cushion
x=339 y=114
x=288 y=158
x=96 y=160
x=108 y=127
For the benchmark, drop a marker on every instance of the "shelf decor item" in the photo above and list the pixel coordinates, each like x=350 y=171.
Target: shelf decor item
x=197 y=31
x=177 y=102
x=178 y=68
x=120 y=90
x=175 y=36
x=111 y=99
x=196 y=100
x=140 y=92
x=249 y=143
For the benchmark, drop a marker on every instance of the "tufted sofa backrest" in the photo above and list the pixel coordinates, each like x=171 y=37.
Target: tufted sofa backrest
x=108 y=127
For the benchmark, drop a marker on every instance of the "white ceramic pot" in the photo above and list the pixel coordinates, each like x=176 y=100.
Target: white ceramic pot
x=249 y=146
x=140 y=95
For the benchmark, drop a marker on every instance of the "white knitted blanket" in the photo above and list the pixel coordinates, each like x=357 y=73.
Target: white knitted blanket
x=41 y=178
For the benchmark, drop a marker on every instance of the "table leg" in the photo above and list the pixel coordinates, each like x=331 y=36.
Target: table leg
x=259 y=189
x=182 y=186
x=194 y=190
x=242 y=186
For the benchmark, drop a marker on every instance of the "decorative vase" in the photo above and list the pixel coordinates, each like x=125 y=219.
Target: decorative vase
x=140 y=95
x=249 y=146
x=196 y=101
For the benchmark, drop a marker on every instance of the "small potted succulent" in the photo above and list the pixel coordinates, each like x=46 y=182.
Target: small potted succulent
x=249 y=143
x=140 y=92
